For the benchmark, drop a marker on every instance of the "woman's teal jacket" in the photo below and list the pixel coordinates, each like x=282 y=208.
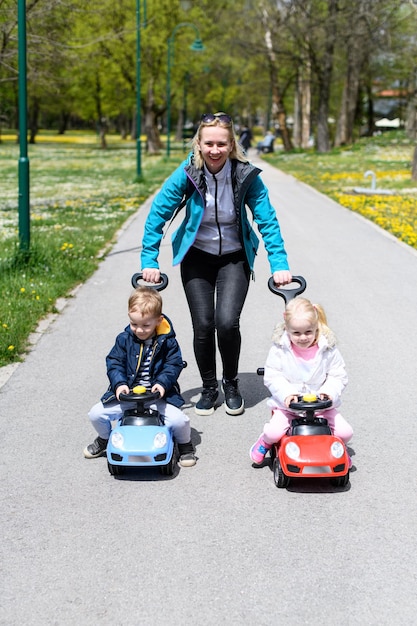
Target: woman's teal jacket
x=249 y=191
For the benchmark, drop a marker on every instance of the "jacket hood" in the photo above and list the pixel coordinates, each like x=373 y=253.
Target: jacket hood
x=327 y=338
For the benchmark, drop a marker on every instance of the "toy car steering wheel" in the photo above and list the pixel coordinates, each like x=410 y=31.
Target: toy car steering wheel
x=159 y=286
x=146 y=396
x=285 y=293
x=305 y=405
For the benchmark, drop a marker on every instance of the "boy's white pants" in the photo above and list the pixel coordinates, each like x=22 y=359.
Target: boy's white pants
x=101 y=416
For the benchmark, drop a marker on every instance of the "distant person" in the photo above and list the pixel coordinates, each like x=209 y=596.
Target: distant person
x=267 y=143
x=245 y=138
x=216 y=247
x=303 y=359
x=145 y=353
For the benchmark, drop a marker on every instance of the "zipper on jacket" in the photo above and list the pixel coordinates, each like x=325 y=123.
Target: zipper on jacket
x=216 y=215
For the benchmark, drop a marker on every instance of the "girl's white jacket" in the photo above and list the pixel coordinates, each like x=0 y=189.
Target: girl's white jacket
x=284 y=377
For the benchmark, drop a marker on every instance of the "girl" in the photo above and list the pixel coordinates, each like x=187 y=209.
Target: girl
x=302 y=359
x=216 y=247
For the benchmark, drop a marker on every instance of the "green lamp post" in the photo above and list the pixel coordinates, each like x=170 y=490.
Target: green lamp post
x=196 y=46
x=138 y=81
x=23 y=168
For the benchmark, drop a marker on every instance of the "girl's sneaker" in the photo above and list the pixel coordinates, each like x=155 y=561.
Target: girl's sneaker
x=258 y=450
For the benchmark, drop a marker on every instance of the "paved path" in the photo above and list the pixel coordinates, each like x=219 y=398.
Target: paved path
x=219 y=542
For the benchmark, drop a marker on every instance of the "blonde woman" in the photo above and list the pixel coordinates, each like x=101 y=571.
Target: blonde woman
x=216 y=247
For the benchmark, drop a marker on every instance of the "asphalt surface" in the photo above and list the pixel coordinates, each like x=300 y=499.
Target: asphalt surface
x=219 y=542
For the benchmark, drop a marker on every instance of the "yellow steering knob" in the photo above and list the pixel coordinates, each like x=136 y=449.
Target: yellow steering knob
x=309 y=397
x=139 y=389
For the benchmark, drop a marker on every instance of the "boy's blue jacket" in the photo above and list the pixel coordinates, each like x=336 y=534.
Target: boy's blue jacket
x=248 y=189
x=166 y=365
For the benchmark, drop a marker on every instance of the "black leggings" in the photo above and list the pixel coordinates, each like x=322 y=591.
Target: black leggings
x=216 y=289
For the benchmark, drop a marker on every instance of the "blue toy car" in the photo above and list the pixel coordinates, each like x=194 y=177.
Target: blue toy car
x=140 y=438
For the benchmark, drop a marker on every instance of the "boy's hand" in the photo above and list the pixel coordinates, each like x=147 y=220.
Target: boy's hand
x=159 y=388
x=122 y=389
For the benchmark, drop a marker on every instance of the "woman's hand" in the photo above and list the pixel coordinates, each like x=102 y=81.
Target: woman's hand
x=283 y=277
x=151 y=275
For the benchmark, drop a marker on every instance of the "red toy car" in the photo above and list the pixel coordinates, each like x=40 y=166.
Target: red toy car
x=309 y=449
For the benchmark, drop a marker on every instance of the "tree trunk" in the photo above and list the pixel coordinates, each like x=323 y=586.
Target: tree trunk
x=278 y=107
x=101 y=120
x=33 y=119
x=302 y=110
x=414 y=168
x=63 y=122
x=324 y=70
x=153 y=140
x=357 y=44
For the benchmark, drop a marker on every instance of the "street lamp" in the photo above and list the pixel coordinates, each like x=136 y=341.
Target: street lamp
x=138 y=107
x=197 y=46
x=23 y=168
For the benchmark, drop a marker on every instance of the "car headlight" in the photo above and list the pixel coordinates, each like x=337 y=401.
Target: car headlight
x=117 y=439
x=160 y=440
x=337 y=449
x=292 y=450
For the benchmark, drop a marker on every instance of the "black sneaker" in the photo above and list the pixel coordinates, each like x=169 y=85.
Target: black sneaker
x=187 y=456
x=96 y=449
x=205 y=406
x=232 y=398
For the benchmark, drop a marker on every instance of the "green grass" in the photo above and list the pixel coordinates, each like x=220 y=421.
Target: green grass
x=341 y=171
x=80 y=196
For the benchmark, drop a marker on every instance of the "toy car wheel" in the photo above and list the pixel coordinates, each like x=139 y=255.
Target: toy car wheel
x=169 y=468
x=280 y=479
x=341 y=481
x=115 y=470
x=272 y=453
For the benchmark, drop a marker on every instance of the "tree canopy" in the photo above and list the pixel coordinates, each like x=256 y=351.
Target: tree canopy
x=307 y=68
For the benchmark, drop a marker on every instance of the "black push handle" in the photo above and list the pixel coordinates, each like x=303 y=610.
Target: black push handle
x=285 y=293
x=159 y=286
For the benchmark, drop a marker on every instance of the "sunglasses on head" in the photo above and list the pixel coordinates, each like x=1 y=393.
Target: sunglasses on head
x=207 y=118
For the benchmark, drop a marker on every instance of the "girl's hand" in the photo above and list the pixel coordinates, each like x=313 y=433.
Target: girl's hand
x=290 y=399
x=122 y=389
x=151 y=275
x=325 y=396
x=283 y=277
x=159 y=388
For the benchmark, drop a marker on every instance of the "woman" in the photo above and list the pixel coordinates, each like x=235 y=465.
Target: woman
x=216 y=247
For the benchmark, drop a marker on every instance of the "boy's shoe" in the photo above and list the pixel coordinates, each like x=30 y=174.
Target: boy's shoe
x=258 y=450
x=96 y=449
x=187 y=456
x=233 y=400
x=205 y=406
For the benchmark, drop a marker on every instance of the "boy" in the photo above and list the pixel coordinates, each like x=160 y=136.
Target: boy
x=145 y=353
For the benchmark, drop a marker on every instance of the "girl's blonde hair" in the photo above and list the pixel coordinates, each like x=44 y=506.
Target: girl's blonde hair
x=146 y=300
x=313 y=313
x=237 y=150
